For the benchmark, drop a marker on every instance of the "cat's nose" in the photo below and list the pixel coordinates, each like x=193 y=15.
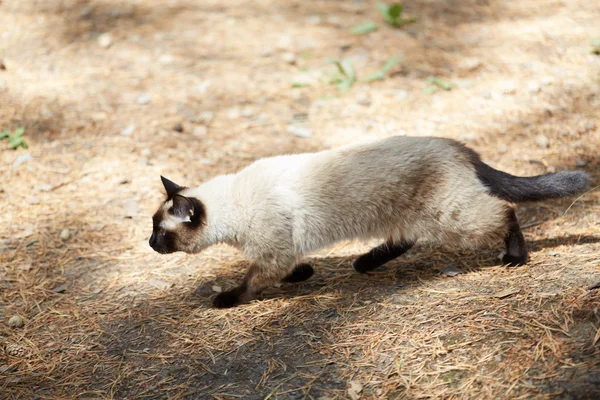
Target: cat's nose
x=152 y=240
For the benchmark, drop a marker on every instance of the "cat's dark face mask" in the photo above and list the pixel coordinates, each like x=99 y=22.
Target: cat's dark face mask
x=178 y=222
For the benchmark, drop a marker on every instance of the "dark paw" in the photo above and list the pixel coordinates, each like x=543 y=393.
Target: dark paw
x=228 y=299
x=364 y=264
x=300 y=273
x=514 y=261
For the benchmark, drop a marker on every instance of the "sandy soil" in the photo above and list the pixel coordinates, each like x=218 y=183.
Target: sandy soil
x=114 y=93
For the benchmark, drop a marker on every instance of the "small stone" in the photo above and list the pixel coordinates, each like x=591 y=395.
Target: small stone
x=314 y=19
x=160 y=284
x=581 y=163
x=363 y=100
x=146 y=153
x=542 y=141
x=143 y=99
x=165 y=59
x=25 y=267
x=299 y=131
x=131 y=208
x=46 y=112
x=508 y=87
x=127 y=131
x=354 y=389
x=200 y=131
x=217 y=289
x=289 y=58
x=469 y=64
x=60 y=289
x=451 y=270
x=105 y=40
x=65 y=234
x=266 y=53
x=247 y=112
x=22 y=159
x=234 y=113
x=502 y=148
x=205 y=117
x=284 y=42
x=2 y=66
x=16 y=321
x=33 y=200
x=44 y=187
x=553 y=253
x=401 y=94
x=178 y=128
x=533 y=87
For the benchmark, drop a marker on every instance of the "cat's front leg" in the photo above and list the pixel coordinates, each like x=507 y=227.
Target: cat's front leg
x=261 y=275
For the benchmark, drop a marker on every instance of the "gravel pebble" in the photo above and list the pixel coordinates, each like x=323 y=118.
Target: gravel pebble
x=65 y=234
x=105 y=40
x=16 y=321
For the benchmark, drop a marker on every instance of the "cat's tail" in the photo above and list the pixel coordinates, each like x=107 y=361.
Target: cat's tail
x=518 y=189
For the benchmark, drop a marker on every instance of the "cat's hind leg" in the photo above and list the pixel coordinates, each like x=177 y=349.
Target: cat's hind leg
x=380 y=255
x=300 y=273
x=516 y=250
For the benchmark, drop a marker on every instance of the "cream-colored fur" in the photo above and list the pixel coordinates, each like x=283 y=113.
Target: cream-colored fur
x=280 y=208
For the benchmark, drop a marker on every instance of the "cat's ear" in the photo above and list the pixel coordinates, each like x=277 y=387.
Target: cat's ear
x=182 y=207
x=171 y=187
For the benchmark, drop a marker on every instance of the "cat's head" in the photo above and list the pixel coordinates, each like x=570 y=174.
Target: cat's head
x=179 y=222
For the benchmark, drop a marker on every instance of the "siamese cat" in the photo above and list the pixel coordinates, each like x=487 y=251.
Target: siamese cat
x=402 y=190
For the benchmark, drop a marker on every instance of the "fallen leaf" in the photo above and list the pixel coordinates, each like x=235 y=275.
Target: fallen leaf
x=506 y=293
x=354 y=389
x=451 y=270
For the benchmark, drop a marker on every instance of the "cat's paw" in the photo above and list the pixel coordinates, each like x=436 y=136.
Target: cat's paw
x=363 y=264
x=514 y=261
x=228 y=299
x=300 y=273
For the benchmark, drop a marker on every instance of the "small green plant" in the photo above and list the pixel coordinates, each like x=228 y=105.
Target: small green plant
x=596 y=47
x=15 y=140
x=379 y=75
x=393 y=14
x=364 y=28
x=344 y=77
x=437 y=84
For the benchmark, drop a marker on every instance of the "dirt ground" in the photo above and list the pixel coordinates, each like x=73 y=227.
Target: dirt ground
x=113 y=93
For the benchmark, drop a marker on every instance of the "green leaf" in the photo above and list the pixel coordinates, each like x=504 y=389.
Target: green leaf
x=364 y=28
x=385 y=11
x=375 y=76
x=596 y=45
x=4 y=134
x=14 y=141
x=379 y=75
x=348 y=69
x=430 y=89
x=338 y=65
x=440 y=83
x=391 y=63
x=19 y=132
x=395 y=11
x=345 y=85
x=299 y=84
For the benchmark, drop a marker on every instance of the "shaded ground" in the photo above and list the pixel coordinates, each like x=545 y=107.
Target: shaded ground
x=107 y=318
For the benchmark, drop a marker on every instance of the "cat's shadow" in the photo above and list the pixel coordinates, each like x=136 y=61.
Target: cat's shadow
x=412 y=269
